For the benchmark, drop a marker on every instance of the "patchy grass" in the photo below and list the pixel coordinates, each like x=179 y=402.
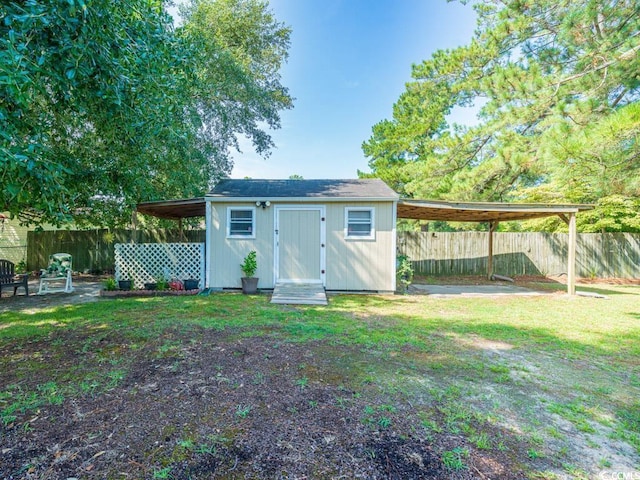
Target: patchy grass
x=539 y=386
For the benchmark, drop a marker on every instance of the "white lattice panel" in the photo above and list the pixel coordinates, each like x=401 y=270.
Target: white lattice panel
x=148 y=262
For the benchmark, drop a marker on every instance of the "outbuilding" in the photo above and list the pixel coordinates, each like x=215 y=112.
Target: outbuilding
x=340 y=234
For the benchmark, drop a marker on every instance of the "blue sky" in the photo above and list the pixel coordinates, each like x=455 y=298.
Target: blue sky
x=348 y=63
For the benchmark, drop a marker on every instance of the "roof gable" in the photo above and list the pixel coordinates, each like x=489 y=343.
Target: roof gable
x=308 y=189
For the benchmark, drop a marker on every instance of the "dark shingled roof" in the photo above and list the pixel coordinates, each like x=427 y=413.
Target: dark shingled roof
x=360 y=188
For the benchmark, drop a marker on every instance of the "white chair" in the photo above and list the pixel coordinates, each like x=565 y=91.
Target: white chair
x=59 y=273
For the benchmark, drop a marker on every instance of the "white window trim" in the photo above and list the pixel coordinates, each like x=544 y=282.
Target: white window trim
x=253 y=222
x=372 y=234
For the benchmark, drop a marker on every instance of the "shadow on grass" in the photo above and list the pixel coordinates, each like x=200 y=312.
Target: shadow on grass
x=546 y=322
x=604 y=290
x=356 y=319
x=215 y=311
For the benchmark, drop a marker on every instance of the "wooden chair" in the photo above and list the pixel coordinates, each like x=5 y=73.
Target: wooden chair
x=8 y=278
x=58 y=272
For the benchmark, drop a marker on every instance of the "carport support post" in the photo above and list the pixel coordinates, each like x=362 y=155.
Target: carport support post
x=571 y=258
x=492 y=229
x=571 y=252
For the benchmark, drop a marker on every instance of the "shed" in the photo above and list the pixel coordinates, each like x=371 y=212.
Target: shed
x=337 y=233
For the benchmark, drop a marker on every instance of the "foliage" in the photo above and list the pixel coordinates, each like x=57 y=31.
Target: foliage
x=454 y=459
x=110 y=284
x=243 y=411
x=106 y=104
x=162 y=284
x=21 y=267
x=557 y=85
x=238 y=48
x=250 y=264
x=614 y=213
x=404 y=272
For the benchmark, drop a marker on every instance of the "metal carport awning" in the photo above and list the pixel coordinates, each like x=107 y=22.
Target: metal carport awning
x=483 y=211
x=174 y=209
x=493 y=213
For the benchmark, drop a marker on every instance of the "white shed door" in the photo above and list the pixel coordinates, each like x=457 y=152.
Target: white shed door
x=300 y=244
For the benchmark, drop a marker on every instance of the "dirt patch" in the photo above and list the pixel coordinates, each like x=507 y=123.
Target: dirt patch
x=206 y=404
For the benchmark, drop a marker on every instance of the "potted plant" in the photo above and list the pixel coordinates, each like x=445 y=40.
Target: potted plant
x=249 y=267
x=191 y=283
x=125 y=283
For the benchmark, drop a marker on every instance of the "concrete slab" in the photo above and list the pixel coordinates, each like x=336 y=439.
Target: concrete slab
x=84 y=291
x=472 y=290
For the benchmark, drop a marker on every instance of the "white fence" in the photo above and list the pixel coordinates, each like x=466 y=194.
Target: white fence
x=148 y=262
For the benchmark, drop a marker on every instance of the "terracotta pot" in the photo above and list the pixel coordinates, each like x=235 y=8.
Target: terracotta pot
x=249 y=285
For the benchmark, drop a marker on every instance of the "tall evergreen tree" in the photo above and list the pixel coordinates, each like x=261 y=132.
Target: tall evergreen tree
x=559 y=84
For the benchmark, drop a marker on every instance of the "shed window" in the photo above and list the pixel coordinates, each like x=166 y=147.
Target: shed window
x=359 y=223
x=242 y=223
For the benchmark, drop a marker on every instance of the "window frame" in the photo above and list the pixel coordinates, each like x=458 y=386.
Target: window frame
x=253 y=222
x=372 y=231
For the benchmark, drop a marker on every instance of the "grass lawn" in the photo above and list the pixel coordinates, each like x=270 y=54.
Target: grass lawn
x=230 y=386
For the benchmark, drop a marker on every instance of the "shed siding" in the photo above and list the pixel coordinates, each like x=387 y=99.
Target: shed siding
x=228 y=253
x=354 y=264
x=351 y=264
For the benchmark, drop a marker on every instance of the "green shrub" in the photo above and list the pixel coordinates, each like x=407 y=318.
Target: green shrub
x=250 y=264
x=110 y=284
x=404 y=272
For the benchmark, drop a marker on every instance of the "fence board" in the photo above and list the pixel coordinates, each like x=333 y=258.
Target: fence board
x=93 y=250
x=433 y=253
x=608 y=255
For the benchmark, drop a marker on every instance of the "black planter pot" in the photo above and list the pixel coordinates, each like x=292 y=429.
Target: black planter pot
x=191 y=284
x=124 y=284
x=249 y=285
x=150 y=286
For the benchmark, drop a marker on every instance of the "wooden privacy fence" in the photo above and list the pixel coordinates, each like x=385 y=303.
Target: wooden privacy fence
x=433 y=253
x=465 y=253
x=93 y=250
